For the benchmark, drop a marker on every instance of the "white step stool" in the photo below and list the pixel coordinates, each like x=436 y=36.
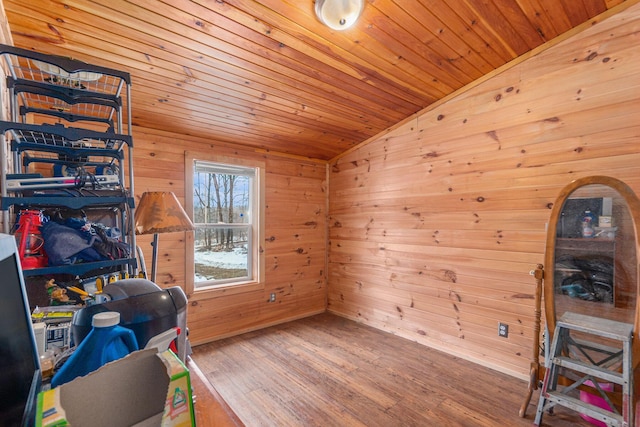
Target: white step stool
x=583 y=360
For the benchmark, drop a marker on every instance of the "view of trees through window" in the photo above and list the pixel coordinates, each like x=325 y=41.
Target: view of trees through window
x=222 y=201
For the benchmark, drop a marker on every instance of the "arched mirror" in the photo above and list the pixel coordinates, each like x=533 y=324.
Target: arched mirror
x=591 y=260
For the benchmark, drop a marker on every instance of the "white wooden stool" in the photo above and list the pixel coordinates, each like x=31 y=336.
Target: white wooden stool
x=583 y=360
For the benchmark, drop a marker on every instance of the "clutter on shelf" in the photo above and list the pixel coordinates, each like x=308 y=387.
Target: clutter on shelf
x=57 y=295
x=70 y=149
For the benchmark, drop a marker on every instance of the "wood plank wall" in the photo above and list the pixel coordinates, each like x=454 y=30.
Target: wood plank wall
x=295 y=238
x=5 y=38
x=435 y=225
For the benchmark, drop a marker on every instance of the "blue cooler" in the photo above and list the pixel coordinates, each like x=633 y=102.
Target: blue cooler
x=144 y=308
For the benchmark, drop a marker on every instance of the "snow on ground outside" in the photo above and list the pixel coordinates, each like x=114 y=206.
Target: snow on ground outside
x=233 y=259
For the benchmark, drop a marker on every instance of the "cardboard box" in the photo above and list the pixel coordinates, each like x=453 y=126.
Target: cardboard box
x=146 y=388
x=605 y=221
x=40 y=333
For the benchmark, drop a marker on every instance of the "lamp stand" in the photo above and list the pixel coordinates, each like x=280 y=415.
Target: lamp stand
x=154 y=257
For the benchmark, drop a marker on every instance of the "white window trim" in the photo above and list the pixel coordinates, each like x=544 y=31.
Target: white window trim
x=258 y=258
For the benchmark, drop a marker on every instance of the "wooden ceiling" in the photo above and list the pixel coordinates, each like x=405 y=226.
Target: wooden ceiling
x=267 y=74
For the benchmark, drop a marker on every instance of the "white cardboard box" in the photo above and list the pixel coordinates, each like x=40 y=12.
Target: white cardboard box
x=605 y=221
x=146 y=388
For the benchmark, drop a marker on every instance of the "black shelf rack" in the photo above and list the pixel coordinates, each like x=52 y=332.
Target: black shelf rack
x=57 y=144
x=82 y=269
x=87 y=148
x=65 y=88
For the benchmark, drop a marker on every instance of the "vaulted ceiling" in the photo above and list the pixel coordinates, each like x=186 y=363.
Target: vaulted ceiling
x=267 y=74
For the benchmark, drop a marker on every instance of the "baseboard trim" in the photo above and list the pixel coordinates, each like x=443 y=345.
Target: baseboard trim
x=258 y=327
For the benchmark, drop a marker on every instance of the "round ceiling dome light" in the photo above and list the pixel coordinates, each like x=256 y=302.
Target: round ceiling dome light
x=339 y=14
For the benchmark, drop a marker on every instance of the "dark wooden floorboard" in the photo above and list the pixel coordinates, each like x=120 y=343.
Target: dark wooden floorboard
x=329 y=371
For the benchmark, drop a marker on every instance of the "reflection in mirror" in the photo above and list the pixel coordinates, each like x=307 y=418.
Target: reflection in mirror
x=595 y=264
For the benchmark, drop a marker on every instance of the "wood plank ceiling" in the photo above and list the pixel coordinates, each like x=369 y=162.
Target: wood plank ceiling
x=267 y=74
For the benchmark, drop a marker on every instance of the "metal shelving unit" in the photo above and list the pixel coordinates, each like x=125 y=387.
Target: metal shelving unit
x=78 y=154
x=66 y=88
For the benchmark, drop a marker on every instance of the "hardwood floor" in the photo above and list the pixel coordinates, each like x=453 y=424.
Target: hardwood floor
x=329 y=371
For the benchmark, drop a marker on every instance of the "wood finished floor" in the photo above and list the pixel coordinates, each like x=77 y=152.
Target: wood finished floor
x=329 y=371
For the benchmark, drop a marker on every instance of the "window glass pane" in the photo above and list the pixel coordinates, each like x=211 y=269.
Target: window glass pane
x=221 y=198
x=209 y=167
x=222 y=214
x=221 y=254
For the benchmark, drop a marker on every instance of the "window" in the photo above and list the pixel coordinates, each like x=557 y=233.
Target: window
x=225 y=210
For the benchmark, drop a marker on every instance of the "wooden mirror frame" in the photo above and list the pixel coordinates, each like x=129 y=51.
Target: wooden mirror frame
x=547 y=274
x=633 y=204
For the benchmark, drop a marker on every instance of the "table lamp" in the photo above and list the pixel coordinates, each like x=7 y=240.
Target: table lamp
x=160 y=212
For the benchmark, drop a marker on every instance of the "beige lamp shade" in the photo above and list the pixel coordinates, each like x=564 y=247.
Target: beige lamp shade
x=160 y=212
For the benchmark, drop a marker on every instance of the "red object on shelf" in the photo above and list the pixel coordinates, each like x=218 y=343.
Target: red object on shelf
x=30 y=241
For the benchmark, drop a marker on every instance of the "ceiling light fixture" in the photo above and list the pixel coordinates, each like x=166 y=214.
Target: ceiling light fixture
x=339 y=14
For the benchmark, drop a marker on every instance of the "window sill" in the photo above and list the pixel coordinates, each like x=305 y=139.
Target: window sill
x=216 y=291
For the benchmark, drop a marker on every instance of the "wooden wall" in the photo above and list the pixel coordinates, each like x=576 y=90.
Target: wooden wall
x=5 y=38
x=295 y=237
x=435 y=225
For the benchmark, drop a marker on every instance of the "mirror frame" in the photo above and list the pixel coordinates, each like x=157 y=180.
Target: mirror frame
x=633 y=203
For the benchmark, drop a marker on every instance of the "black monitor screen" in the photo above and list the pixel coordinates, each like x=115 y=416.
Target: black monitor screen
x=19 y=378
x=570 y=223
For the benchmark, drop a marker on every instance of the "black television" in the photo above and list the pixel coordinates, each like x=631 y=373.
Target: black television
x=570 y=222
x=20 y=375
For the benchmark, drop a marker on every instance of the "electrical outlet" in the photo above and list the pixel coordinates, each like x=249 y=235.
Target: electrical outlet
x=272 y=297
x=503 y=330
